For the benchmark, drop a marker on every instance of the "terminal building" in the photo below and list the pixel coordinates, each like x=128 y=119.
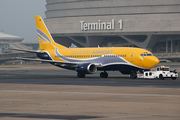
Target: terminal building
x=9 y=42
x=150 y=24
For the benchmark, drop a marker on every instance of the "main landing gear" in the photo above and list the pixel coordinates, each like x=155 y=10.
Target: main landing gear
x=104 y=74
x=133 y=75
x=80 y=75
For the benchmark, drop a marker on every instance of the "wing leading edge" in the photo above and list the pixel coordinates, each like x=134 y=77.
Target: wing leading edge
x=56 y=62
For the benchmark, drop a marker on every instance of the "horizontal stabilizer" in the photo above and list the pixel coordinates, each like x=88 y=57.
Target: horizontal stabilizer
x=30 y=51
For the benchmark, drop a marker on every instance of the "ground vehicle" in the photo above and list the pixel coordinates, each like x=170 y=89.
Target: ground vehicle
x=160 y=72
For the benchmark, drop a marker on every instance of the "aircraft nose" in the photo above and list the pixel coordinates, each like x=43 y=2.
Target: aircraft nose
x=154 y=61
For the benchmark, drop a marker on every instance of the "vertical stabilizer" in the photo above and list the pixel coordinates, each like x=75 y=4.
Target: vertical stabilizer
x=45 y=39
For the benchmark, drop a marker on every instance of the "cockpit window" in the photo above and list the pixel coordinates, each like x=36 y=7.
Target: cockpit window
x=143 y=54
x=146 y=54
x=149 y=54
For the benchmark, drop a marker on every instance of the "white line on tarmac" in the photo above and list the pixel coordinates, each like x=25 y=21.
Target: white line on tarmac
x=19 y=91
x=92 y=93
x=124 y=94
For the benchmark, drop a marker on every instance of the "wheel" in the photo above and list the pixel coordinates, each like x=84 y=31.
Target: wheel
x=80 y=75
x=103 y=74
x=133 y=75
x=173 y=78
x=161 y=77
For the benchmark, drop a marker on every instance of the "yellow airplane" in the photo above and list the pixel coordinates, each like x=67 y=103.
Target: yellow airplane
x=127 y=60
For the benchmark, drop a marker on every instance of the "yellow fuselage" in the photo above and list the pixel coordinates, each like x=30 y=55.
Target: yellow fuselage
x=130 y=55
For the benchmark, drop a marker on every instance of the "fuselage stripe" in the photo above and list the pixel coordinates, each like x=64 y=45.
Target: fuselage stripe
x=43 y=35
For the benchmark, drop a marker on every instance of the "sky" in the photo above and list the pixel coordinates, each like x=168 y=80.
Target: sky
x=17 y=17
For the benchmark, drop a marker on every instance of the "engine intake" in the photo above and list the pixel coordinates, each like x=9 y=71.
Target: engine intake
x=86 y=68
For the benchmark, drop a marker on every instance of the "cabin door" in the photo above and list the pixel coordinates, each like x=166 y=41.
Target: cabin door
x=132 y=56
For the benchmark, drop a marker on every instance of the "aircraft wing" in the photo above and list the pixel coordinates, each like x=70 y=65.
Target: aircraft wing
x=42 y=60
x=62 y=63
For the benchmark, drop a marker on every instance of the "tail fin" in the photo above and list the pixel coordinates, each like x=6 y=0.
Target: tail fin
x=45 y=39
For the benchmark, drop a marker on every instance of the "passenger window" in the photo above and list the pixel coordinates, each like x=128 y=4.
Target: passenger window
x=146 y=74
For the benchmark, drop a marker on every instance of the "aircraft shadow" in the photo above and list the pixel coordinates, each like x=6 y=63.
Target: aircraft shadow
x=46 y=116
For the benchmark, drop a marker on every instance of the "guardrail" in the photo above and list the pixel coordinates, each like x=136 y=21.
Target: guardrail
x=167 y=55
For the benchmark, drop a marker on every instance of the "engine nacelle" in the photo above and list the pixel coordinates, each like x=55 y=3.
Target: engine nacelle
x=86 y=68
x=44 y=56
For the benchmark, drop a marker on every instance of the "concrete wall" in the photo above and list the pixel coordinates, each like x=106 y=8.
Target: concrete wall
x=155 y=16
x=75 y=8
x=132 y=24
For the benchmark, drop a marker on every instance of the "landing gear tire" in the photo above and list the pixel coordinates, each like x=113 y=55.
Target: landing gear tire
x=173 y=78
x=103 y=74
x=133 y=75
x=80 y=75
x=161 y=77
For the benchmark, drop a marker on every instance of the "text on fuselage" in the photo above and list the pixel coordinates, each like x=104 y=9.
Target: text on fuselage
x=93 y=52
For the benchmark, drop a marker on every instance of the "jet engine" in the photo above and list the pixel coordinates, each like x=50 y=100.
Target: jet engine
x=86 y=68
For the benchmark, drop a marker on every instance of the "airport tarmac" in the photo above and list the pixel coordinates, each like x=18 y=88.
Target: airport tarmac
x=31 y=92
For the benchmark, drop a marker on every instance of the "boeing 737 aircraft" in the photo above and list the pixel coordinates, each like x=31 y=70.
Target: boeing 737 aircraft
x=127 y=60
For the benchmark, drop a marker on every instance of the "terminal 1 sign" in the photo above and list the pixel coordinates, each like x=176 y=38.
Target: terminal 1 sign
x=100 y=25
